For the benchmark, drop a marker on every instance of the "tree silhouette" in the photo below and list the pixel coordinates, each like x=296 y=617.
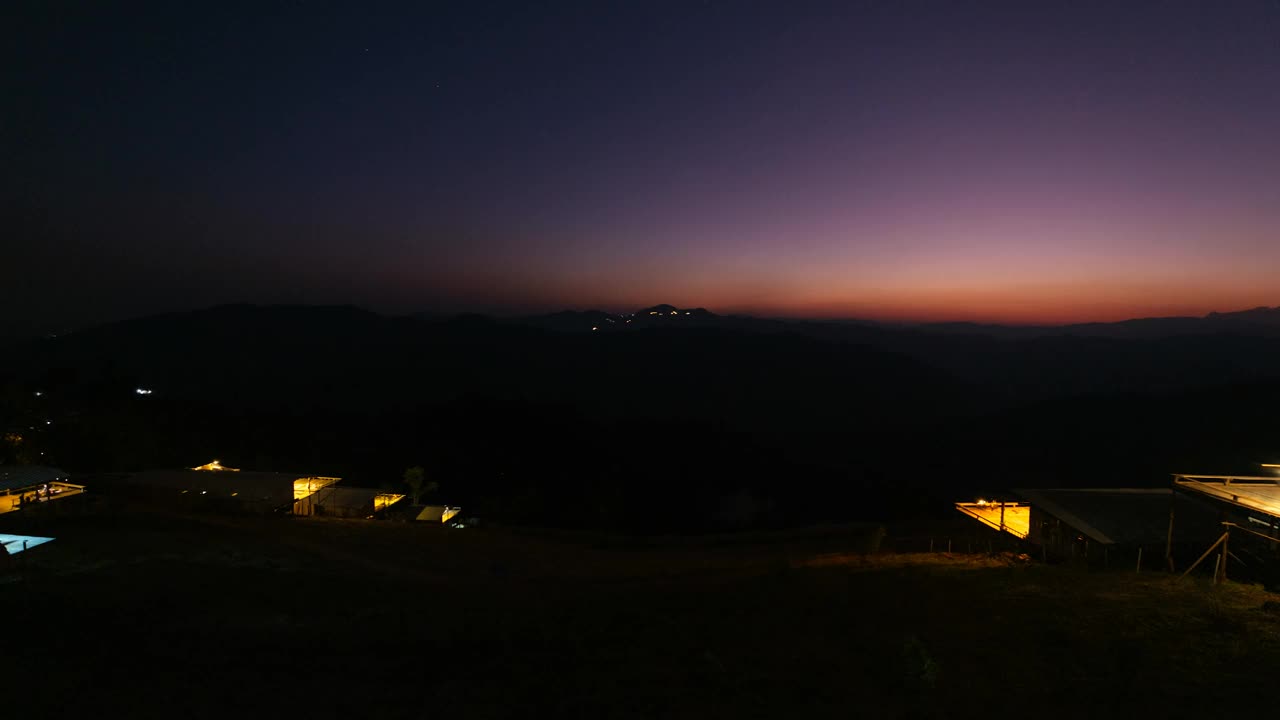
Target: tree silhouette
x=416 y=478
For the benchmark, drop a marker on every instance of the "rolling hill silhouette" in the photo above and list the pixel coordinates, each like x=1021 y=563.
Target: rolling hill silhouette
x=543 y=414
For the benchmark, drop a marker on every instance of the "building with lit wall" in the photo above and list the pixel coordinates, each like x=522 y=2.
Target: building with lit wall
x=437 y=513
x=217 y=487
x=214 y=486
x=346 y=502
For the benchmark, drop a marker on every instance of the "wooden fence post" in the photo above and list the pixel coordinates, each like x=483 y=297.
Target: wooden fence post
x=1222 y=567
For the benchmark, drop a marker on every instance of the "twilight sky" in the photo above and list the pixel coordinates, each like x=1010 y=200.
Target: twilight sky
x=1028 y=161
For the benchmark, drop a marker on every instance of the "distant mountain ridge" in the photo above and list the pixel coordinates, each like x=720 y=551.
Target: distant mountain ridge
x=1261 y=320
x=356 y=353
x=682 y=399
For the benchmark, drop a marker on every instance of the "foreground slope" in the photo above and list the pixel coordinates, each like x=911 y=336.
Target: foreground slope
x=152 y=614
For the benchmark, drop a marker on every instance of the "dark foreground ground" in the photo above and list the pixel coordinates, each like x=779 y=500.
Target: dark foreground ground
x=133 y=613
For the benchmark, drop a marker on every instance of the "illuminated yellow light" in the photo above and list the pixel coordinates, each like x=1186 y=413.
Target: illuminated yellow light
x=385 y=500
x=215 y=466
x=307 y=486
x=449 y=512
x=1013 y=518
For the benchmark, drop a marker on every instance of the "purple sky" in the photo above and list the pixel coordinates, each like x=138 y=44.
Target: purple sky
x=1016 y=162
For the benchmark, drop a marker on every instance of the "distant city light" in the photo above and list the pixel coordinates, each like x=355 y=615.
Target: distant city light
x=39 y=394
x=594 y=328
x=143 y=391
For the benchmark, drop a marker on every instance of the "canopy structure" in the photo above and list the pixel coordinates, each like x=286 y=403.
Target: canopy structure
x=1011 y=517
x=307 y=486
x=33 y=484
x=1249 y=505
x=1253 y=493
x=15 y=478
x=341 y=501
x=438 y=513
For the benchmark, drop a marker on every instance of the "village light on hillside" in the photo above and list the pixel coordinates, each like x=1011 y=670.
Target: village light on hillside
x=215 y=466
x=142 y=391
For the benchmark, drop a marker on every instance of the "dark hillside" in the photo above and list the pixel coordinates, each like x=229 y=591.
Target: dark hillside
x=737 y=424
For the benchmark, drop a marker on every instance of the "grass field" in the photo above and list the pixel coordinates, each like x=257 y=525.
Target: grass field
x=152 y=614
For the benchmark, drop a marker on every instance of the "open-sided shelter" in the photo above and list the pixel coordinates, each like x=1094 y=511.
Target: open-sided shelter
x=1248 y=515
x=21 y=484
x=346 y=502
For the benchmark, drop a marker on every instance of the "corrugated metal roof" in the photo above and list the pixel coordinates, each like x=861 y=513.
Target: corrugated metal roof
x=1258 y=494
x=16 y=477
x=1120 y=515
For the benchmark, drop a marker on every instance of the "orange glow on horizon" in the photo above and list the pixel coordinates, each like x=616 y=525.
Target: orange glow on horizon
x=840 y=290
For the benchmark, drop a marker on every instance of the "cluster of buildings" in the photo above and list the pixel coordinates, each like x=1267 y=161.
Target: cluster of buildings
x=212 y=486
x=218 y=487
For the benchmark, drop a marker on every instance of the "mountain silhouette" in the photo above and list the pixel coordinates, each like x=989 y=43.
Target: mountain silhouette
x=699 y=406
